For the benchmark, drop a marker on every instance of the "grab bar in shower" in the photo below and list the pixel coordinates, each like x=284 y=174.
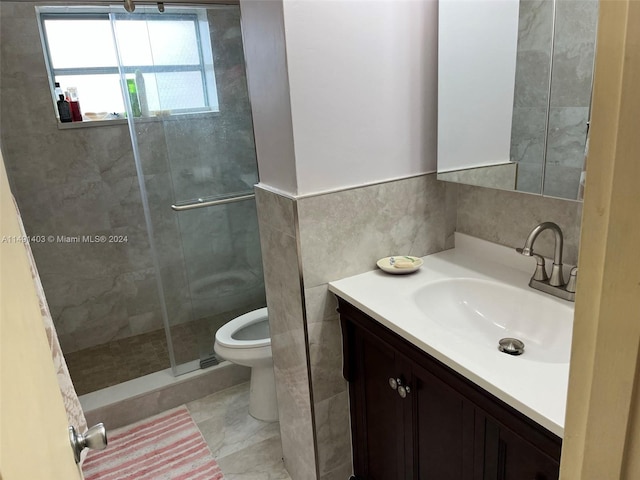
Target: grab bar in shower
x=201 y=202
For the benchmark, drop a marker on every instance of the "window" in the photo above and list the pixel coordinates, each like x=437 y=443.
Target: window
x=167 y=56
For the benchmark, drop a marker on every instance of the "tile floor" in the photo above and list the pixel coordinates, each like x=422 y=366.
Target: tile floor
x=245 y=448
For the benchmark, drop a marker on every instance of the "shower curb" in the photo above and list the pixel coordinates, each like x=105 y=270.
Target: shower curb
x=109 y=407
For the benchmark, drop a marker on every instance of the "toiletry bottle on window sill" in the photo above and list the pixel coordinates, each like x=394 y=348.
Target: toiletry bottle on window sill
x=58 y=90
x=142 y=94
x=133 y=97
x=74 y=104
x=64 y=110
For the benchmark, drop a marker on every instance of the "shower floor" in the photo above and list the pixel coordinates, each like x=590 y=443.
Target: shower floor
x=124 y=359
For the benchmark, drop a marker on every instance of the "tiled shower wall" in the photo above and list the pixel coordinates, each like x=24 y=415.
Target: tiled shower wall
x=310 y=241
x=82 y=181
x=568 y=108
x=531 y=96
x=571 y=87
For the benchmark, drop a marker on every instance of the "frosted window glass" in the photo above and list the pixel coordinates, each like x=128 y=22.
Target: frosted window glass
x=174 y=43
x=133 y=41
x=157 y=42
x=80 y=44
x=179 y=90
x=174 y=91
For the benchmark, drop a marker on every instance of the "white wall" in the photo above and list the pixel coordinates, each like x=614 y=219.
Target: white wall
x=477 y=40
x=362 y=78
x=354 y=80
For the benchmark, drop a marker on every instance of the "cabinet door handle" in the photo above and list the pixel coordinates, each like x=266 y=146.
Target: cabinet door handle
x=403 y=390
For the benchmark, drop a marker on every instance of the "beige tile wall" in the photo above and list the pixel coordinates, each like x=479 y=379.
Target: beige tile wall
x=507 y=218
x=343 y=234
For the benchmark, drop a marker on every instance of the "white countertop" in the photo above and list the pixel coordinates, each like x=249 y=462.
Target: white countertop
x=537 y=389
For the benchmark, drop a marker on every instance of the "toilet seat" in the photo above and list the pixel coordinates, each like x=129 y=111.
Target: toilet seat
x=225 y=334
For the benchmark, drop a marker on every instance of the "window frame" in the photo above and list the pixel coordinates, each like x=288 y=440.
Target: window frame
x=182 y=15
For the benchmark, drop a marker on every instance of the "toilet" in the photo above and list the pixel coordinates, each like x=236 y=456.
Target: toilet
x=245 y=340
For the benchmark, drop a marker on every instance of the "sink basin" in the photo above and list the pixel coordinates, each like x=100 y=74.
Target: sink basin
x=485 y=311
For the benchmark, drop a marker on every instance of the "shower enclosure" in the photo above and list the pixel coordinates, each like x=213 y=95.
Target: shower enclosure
x=196 y=167
x=188 y=114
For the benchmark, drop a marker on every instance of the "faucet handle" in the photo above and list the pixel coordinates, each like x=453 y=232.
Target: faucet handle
x=573 y=280
x=541 y=268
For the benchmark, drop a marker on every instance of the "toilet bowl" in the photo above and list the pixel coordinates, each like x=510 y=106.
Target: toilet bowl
x=245 y=340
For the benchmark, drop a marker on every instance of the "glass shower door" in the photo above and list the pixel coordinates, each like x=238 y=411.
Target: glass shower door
x=191 y=127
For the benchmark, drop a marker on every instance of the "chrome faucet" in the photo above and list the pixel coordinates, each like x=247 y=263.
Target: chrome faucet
x=553 y=285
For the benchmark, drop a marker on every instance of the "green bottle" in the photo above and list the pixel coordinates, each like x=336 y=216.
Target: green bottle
x=133 y=97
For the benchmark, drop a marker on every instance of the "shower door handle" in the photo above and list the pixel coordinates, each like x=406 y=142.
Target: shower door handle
x=201 y=203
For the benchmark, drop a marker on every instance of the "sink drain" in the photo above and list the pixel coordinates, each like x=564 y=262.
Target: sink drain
x=512 y=346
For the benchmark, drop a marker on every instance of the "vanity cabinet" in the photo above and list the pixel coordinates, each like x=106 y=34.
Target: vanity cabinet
x=413 y=417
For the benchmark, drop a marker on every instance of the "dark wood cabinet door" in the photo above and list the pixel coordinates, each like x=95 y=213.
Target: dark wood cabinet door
x=444 y=429
x=379 y=430
x=509 y=456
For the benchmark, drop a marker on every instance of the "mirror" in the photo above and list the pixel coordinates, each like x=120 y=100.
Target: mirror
x=514 y=93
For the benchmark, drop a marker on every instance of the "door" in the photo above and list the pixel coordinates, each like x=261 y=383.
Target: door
x=443 y=424
x=34 y=440
x=192 y=133
x=509 y=456
x=378 y=428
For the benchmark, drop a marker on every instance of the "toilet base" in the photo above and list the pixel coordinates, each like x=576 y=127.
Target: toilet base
x=263 y=404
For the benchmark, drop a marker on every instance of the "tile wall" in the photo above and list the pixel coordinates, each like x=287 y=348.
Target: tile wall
x=344 y=234
x=508 y=217
x=531 y=96
x=571 y=76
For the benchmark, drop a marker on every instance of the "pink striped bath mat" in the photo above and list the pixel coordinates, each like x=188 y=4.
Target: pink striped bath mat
x=168 y=446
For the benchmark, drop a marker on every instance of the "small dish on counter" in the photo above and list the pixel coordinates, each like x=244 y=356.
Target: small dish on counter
x=400 y=264
x=93 y=116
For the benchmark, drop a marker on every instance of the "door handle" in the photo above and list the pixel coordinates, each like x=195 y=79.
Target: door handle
x=95 y=438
